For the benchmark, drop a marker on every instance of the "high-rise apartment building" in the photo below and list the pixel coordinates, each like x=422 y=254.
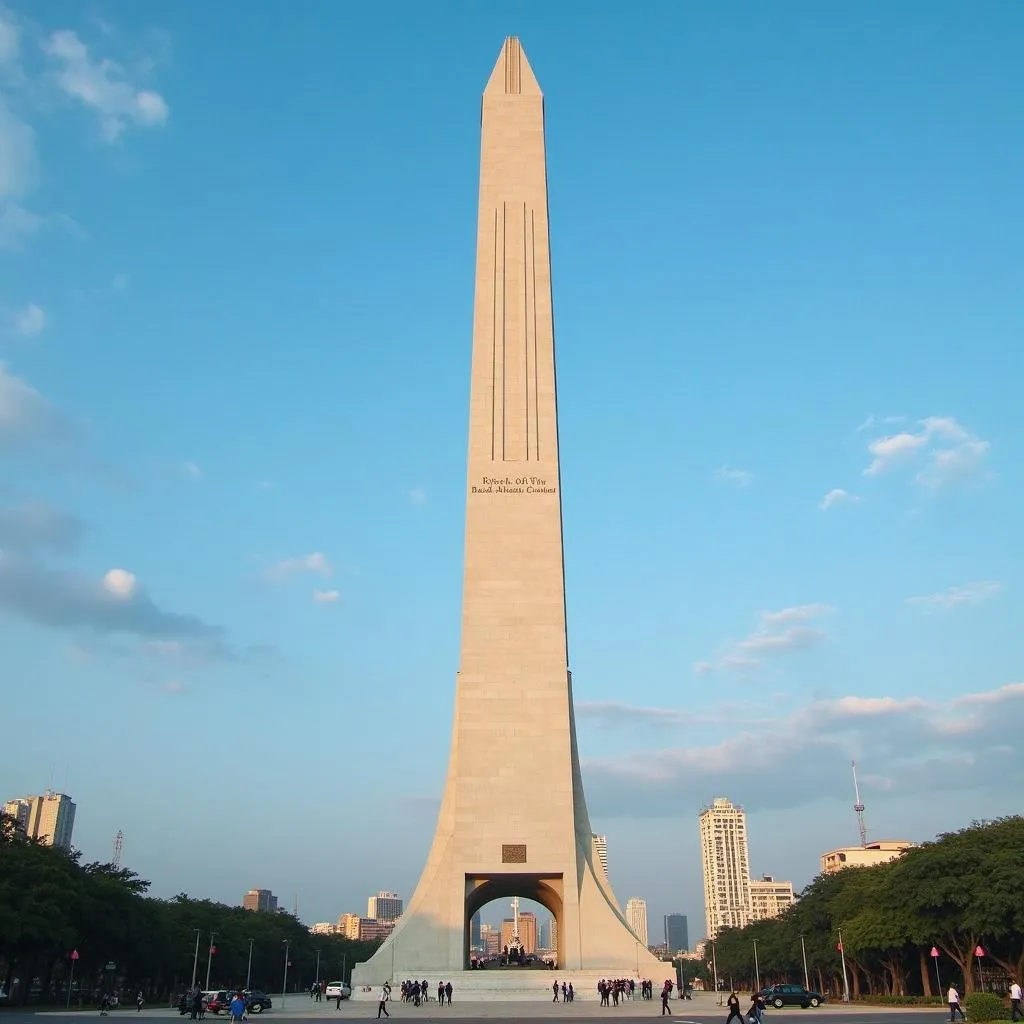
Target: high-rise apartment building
x=49 y=818
x=677 y=938
x=726 y=862
x=348 y=926
x=262 y=900
x=475 y=938
x=385 y=906
x=769 y=898
x=636 y=918
x=600 y=844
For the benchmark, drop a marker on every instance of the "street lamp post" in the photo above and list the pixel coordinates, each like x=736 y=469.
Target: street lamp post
x=209 y=959
x=803 y=952
x=935 y=960
x=71 y=980
x=714 y=969
x=842 y=957
x=979 y=952
x=195 y=960
x=284 y=984
x=344 y=964
x=248 y=970
x=757 y=970
x=318 y=967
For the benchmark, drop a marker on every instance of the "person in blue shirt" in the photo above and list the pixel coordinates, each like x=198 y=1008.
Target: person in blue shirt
x=237 y=1008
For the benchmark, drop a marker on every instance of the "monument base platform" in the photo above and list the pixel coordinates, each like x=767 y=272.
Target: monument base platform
x=518 y=986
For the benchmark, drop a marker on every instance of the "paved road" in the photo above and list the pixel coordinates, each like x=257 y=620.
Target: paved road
x=506 y=1013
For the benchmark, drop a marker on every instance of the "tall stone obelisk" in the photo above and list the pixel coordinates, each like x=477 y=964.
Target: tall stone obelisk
x=513 y=819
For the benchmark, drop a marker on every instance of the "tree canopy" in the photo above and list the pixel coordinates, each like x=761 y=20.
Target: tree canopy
x=51 y=905
x=962 y=891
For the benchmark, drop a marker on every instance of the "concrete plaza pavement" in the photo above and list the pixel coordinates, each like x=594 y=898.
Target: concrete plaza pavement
x=702 y=1009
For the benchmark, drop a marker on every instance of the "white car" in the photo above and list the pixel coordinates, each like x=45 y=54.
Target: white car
x=338 y=990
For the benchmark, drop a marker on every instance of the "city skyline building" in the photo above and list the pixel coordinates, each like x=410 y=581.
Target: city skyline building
x=636 y=915
x=527 y=931
x=882 y=851
x=769 y=898
x=259 y=900
x=725 y=860
x=677 y=935
x=49 y=818
x=600 y=844
x=475 y=932
x=385 y=906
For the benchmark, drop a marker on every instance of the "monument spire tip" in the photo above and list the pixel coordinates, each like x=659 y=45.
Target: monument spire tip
x=512 y=74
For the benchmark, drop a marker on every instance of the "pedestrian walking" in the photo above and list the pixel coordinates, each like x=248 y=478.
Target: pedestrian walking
x=734 y=1009
x=1015 y=996
x=448 y=991
x=382 y=1006
x=665 y=992
x=140 y=999
x=953 y=998
x=554 y=991
x=237 y=1008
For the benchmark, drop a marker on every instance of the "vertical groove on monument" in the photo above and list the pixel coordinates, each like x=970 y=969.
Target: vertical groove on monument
x=513 y=818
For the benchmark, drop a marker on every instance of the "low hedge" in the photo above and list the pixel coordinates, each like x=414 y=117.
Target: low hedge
x=984 y=1006
x=880 y=1000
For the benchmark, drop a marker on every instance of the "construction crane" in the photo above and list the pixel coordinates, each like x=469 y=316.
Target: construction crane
x=118 y=847
x=859 y=807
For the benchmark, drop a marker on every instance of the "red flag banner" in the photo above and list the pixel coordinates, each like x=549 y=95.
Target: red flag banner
x=839 y=946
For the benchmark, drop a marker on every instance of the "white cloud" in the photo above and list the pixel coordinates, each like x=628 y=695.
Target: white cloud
x=30 y=320
x=121 y=583
x=192 y=470
x=744 y=655
x=325 y=596
x=872 y=421
x=971 y=593
x=174 y=686
x=102 y=86
x=418 y=496
x=907 y=739
x=951 y=453
x=837 y=496
x=736 y=477
x=9 y=44
x=26 y=418
x=314 y=562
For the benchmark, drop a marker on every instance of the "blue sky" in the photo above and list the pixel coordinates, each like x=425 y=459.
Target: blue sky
x=236 y=259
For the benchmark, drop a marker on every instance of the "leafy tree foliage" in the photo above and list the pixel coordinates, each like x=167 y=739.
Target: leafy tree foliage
x=50 y=904
x=962 y=891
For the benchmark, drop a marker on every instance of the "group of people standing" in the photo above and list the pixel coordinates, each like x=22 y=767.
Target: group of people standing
x=568 y=992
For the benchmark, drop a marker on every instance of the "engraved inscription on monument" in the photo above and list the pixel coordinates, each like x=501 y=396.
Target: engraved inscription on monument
x=513 y=853
x=514 y=485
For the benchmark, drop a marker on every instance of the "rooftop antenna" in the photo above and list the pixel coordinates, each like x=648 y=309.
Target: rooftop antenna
x=118 y=847
x=859 y=807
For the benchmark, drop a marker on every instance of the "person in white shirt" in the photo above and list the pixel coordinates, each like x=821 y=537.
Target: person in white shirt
x=953 y=998
x=382 y=1006
x=1015 y=996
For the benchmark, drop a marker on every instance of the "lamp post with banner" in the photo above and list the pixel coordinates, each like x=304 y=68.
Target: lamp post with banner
x=210 y=954
x=935 y=960
x=803 y=953
x=842 y=957
x=71 y=979
x=757 y=971
x=979 y=952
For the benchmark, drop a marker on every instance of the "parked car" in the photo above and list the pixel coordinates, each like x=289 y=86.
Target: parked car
x=256 y=1001
x=217 y=1001
x=338 y=990
x=791 y=995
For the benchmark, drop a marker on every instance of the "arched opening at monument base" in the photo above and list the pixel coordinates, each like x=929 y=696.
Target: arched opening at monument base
x=543 y=889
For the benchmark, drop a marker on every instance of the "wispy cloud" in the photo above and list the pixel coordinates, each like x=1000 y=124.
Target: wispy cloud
x=733 y=476
x=30 y=320
x=970 y=593
x=837 y=496
x=315 y=562
x=941 y=450
x=326 y=596
x=102 y=85
x=418 y=496
x=27 y=419
x=907 y=739
x=776 y=632
x=37 y=525
x=193 y=470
